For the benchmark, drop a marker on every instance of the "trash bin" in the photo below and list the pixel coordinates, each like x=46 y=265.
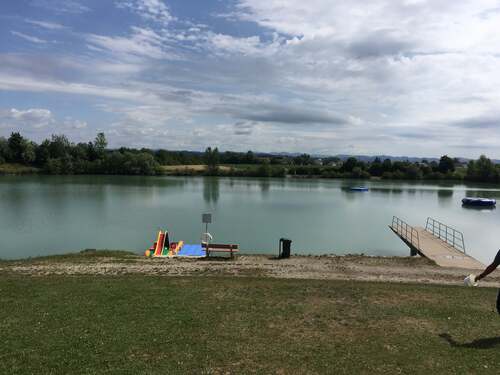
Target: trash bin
x=284 y=248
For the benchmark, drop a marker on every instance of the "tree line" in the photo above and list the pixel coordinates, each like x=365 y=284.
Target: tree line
x=58 y=155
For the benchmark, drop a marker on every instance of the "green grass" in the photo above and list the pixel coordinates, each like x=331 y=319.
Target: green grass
x=155 y=325
x=83 y=256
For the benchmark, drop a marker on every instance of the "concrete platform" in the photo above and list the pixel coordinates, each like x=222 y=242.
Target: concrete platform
x=427 y=245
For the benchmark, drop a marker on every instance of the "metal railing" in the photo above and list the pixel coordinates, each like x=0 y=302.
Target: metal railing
x=406 y=231
x=446 y=233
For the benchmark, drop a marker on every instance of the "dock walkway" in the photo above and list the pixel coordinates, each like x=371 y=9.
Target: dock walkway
x=437 y=241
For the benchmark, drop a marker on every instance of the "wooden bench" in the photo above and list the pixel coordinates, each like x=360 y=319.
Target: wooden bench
x=230 y=249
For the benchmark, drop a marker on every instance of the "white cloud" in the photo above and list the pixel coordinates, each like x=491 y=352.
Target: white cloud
x=61 y=6
x=155 y=10
x=33 y=85
x=245 y=46
x=34 y=117
x=29 y=38
x=46 y=24
x=37 y=123
x=141 y=43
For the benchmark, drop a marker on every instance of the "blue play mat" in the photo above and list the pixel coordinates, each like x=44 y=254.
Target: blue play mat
x=191 y=251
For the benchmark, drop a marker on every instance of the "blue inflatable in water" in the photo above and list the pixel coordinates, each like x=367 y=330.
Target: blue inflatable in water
x=359 y=188
x=479 y=202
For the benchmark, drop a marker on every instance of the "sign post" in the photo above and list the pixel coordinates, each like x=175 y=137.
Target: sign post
x=206 y=219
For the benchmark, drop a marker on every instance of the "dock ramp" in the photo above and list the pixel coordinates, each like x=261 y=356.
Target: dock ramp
x=437 y=241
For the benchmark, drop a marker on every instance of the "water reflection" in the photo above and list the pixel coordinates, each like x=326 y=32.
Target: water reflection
x=479 y=208
x=445 y=194
x=482 y=193
x=211 y=190
x=387 y=190
x=264 y=185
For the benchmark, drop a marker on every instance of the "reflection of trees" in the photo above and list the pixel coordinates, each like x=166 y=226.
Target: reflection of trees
x=495 y=194
x=386 y=190
x=211 y=190
x=264 y=186
x=445 y=194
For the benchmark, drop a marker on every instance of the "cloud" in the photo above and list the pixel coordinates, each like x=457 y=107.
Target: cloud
x=61 y=6
x=46 y=25
x=43 y=67
x=380 y=43
x=30 y=84
x=155 y=10
x=37 y=123
x=34 y=117
x=244 y=127
x=29 y=38
x=71 y=123
x=479 y=122
x=245 y=46
x=292 y=115
x=142 y=42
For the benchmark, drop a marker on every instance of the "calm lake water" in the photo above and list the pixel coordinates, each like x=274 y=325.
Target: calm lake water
x=43 y=215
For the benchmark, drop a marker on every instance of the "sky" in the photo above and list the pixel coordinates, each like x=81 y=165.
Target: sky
x=405 y=77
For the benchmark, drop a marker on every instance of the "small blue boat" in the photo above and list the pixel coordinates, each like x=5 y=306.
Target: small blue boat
x=479 y=202
x=358 y=188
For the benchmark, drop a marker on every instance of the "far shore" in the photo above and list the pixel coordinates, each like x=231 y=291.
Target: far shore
x=200 y=170
x=325 y=267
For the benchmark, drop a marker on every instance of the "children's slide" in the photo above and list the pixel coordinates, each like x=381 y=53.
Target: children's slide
x=166 y=245
x=160 y=242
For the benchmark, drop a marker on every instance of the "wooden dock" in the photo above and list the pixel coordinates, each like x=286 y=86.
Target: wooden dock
x=437 y=241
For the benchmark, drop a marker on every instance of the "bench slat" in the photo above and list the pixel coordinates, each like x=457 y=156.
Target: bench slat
x=210 y=250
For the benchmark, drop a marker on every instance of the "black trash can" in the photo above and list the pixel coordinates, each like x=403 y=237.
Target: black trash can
x=284 y=248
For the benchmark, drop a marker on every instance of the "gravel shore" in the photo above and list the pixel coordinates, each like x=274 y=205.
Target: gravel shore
x=349 y=267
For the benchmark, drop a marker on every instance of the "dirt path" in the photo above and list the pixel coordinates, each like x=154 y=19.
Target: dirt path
x=387 y=269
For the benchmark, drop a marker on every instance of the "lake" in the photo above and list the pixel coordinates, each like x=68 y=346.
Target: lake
x=44 y=215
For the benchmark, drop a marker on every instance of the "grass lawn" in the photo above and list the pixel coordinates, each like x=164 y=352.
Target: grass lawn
x=10 y=168
x=206 y=325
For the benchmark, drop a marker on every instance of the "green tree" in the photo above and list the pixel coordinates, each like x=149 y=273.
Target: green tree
x=4 y=150
x=212 y=160
x=375 y=168
x=446 y=164
x=42 y=153
x=413 y=172
x=482 y=170
x=386 y=166
x=53 y=166
x=349 y=164
x=304 y=159
x=140 y=164
x=59 y=146
x=100 y=144
x=17 y=146
x=29 y=154
x=249 y=158
x=264 y=169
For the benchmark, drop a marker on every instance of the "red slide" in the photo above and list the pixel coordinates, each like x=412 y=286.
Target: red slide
x=159 y=244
